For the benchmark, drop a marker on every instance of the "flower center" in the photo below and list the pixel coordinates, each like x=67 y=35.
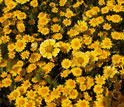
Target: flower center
x=49 y=48
x=80 y=60
x=21 y=102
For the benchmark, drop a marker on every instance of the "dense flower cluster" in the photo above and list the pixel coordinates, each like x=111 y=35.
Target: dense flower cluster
x=62 y=53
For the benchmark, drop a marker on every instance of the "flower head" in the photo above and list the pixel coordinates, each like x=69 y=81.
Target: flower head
x=49 y=48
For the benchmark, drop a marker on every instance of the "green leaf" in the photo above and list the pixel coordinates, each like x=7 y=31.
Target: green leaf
x=11 y=87
x=9 y=65
x=101 y=38
x=1 y=70
x=49 y=80
x=41 y=72
x=55 y=84
x=38 y=77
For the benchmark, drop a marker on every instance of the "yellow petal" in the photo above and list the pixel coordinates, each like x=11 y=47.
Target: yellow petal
x=49 y=55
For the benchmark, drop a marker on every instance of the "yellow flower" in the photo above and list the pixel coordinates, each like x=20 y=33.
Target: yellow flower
x=66 y=102
x=93 y=22
x=26 y=84
x=11 y=47
x=89 y=82
x=20 y=63
x=89 y=13
x=11 y=4
x=66 y=63
x=11 y=54
x=20 y=45
x=49 y=48
x=69 y=14
x=22 y=1
x=65 y=73
x=43 y=21
x=107 y=43
x=20 y=27
x=107 y=26
x=81 y=26
x=73 y=94
x=6 y=82
x=100 y=103
x=34 y=3
x=71 y=84
x=52 y=4
x=109 y=72
x=41 y=14
x=1 y=1
x=82 y=103
x=5 y=39
x=87 y=40
x=30 y=103
x=66 y=22
x=92 y=56
x=57 y=36
x=116 y=59
x=18 y=37
x=7 y=30
x=100 y=80
x=55 y=28
x=116 y=35
x=31 y=94
x=15 y=70
x=31 y=67
x=34 y=46
x=3 y=74
x=100 y=20
x=65 y=47
x=72 y=33
x=81 y=59
x=104 y=10
x=83 y=87
x=87 y=96
x=116 y=18
x=55 y=93
x=21 y=101
x=62 y=2
x=34 y=57
x=44 y=30
x=77 y=4
x=98 y=89
x=76 y=71
x=101 y=2
x=22 y=89
x=76 y=44
x=25 y=55
x=117 y=8
x=55 y=19
x=21 y=15
x=51 y=105
x=43 y=91
x=3 y=62
x=120 y=1
x=62 y=13
x=49 y=99
x=54 y=10
x=80 y=80
x=15 y=94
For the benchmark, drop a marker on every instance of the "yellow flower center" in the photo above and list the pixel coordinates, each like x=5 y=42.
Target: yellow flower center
x=21 y=102
x=80 y=60
x=20 y=44
x=44 y=91
x=49 y=48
